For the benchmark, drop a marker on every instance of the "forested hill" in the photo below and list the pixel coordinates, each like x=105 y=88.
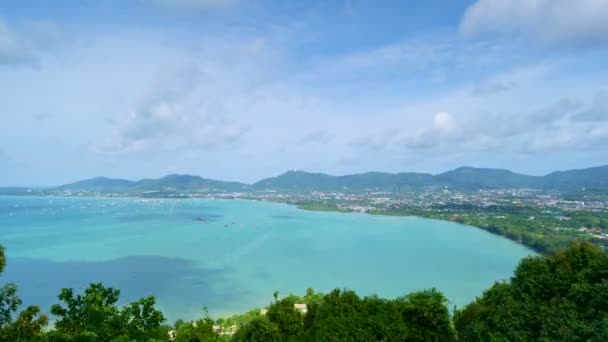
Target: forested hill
x=167 y=183
x=463 y=178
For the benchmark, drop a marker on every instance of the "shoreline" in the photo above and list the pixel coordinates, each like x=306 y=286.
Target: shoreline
x=308 y=207
x=378 y=213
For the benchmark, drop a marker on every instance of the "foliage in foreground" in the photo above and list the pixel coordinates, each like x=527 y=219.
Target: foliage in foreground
x=94 y=316
x=28 y=324
x=561 y=297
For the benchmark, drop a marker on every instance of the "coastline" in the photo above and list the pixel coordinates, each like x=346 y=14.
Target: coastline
x=381 y=213
x=332 y=208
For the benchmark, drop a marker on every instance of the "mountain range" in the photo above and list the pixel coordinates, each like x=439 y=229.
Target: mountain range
x=463 y=179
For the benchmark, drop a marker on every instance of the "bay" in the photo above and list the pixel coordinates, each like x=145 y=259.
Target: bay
x=231 y=255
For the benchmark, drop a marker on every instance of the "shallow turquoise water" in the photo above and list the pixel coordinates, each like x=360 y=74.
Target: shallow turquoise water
x=240 y=254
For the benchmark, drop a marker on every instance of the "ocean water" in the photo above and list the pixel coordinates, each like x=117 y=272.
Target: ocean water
x=238 y=253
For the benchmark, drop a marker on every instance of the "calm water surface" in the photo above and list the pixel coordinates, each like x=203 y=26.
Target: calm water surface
x=238 y=253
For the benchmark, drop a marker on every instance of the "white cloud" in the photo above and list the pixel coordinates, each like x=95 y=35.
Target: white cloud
x=383 y=140
x=570 y=22
x=445 y=123
x=551 y=140
x=182 y=114
x=597 y=110
x=245 y=94
x=599 y=134
x=553 y=127
x=445 y=129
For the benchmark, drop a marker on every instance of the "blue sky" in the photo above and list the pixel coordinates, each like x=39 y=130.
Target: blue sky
x=243 y=89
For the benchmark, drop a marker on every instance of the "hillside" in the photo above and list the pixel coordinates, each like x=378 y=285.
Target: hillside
x=463 y=179
x=470 y=178
x=167 y=183
x=188 y=183
x=370 y=181
x=594 y=178
x=99 y=184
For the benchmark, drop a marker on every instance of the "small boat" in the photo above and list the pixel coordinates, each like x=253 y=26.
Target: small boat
x=201 y=219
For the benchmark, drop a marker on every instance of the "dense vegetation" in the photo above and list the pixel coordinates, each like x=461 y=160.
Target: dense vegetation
x=563 y=297
x=545 y=231
x=560 y=297
x=463 y=179
x=587 y=195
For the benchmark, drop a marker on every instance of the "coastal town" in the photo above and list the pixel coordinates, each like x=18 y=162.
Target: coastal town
x=381 y=200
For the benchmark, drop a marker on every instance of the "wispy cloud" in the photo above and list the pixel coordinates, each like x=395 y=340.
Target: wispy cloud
x=414 y=55
x=180 y=114
x=310 y=86
x=445 y=129
x=492 y=88
x=24 y=44
x=319 y=136
x=552 y=127
x=597 y=111
x=554 y=22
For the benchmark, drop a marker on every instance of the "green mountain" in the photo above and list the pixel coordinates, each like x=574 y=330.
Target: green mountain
x=188 y=182
x=370 y=181
x=167 y=183
x=297 y=181
x=470 y=178
x=594 y=178
x=103 y=184
x=463 y=179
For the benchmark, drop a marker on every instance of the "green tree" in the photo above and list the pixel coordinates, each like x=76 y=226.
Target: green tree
x=29 y=323
x=142 y=320
x=259 y=329
x=9 y=303
x=562 y=297
x=426 y=316
x=344 y=316
x=289 y=321
x=28 y=326
x=202 y=330
x=94 y=316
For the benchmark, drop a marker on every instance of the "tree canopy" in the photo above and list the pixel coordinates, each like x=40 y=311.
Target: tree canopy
x=94 y=316
x=562 y=297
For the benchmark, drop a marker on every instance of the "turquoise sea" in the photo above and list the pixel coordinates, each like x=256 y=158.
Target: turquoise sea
x=238 y=253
